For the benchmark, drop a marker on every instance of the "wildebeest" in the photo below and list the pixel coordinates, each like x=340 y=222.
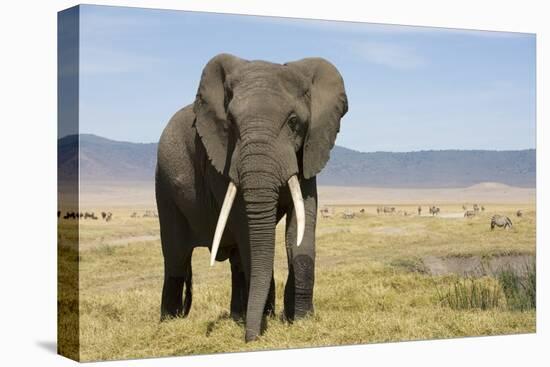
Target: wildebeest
x=464 y=207
x=419 y=210
x=500 y=221
x=434 y=210
x=519 y=213
x=108 y=216
x=103 y=215
x=388 y=210
x=134 y=215
x=469 y=214
x=70 y=215
x=326 y=213
x=362 y=211
x=482 y=208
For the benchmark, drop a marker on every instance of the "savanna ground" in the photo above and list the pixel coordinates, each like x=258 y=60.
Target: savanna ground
x=379 y=278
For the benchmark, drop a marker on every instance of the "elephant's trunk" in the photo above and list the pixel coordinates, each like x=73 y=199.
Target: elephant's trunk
x=261 y=214
x=260 y=180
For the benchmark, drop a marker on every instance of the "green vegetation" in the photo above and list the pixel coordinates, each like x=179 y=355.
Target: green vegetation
x=372 y=285
x=471 y=293
x=520 y=289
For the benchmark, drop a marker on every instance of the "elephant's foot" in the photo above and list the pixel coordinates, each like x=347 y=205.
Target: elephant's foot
x=292 y=315
x=238 y=315
x=172 y=302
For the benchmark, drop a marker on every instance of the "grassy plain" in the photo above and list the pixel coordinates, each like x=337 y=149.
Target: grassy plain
x=374 y=283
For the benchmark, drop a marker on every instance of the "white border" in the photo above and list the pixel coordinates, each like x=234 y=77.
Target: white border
x=28 y=153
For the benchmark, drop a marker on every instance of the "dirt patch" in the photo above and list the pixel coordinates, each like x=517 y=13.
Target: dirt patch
x=476 y=265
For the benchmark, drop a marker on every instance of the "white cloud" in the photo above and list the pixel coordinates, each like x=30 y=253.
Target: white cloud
x=393 y=55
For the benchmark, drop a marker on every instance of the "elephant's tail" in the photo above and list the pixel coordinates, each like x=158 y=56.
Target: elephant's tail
x=188 y=282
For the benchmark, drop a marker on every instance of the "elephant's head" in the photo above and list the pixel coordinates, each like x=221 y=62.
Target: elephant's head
x=264 y=126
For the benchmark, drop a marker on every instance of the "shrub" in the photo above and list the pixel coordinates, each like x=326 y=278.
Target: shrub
x=520 y=289
x=472 y=293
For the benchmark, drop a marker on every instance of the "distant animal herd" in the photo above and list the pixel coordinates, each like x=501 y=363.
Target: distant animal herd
x=497 y=220
x=106 y=216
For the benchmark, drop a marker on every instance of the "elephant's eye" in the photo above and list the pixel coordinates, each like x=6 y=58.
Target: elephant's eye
x=293 y=122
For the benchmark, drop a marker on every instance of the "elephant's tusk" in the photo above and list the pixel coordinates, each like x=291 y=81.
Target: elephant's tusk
x=298 y=200
x=222 y=219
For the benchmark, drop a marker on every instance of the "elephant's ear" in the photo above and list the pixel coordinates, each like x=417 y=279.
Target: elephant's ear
x=329 y=104
x=210 y=110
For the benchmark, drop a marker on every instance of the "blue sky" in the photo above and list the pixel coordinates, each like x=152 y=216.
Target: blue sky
x=409 y=88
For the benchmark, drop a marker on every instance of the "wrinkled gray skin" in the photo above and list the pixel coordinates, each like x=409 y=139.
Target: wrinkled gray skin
x=256 y=124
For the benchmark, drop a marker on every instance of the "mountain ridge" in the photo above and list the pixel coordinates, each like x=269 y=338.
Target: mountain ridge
x=103 y=159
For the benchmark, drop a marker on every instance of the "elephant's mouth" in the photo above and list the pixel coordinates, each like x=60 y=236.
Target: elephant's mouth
x=297 y=199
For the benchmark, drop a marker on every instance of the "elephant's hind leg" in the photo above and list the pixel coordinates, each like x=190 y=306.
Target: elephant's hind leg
x=177 y=250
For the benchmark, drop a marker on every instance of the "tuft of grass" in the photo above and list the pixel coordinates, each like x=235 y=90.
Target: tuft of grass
x=472 y=293
x=520 y=289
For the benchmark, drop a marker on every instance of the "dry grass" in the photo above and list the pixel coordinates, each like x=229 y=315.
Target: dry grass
x=370 y=286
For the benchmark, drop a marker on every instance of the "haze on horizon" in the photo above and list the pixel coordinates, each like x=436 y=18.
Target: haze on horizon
x=409 y=88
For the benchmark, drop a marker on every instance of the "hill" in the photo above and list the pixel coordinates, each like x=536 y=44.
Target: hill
x=432 y=168
x=105 y=160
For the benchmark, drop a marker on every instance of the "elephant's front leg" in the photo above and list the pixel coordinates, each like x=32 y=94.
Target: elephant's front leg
x=239 y=288
x=301 y=260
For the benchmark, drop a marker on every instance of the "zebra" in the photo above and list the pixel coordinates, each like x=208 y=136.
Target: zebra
x=108 y=216
x=348 y=214
x=500 y=221
x=469 y=214
x=476 y=208
x=464 y=207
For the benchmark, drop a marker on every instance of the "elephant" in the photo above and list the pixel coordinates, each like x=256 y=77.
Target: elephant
x=231 y=164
